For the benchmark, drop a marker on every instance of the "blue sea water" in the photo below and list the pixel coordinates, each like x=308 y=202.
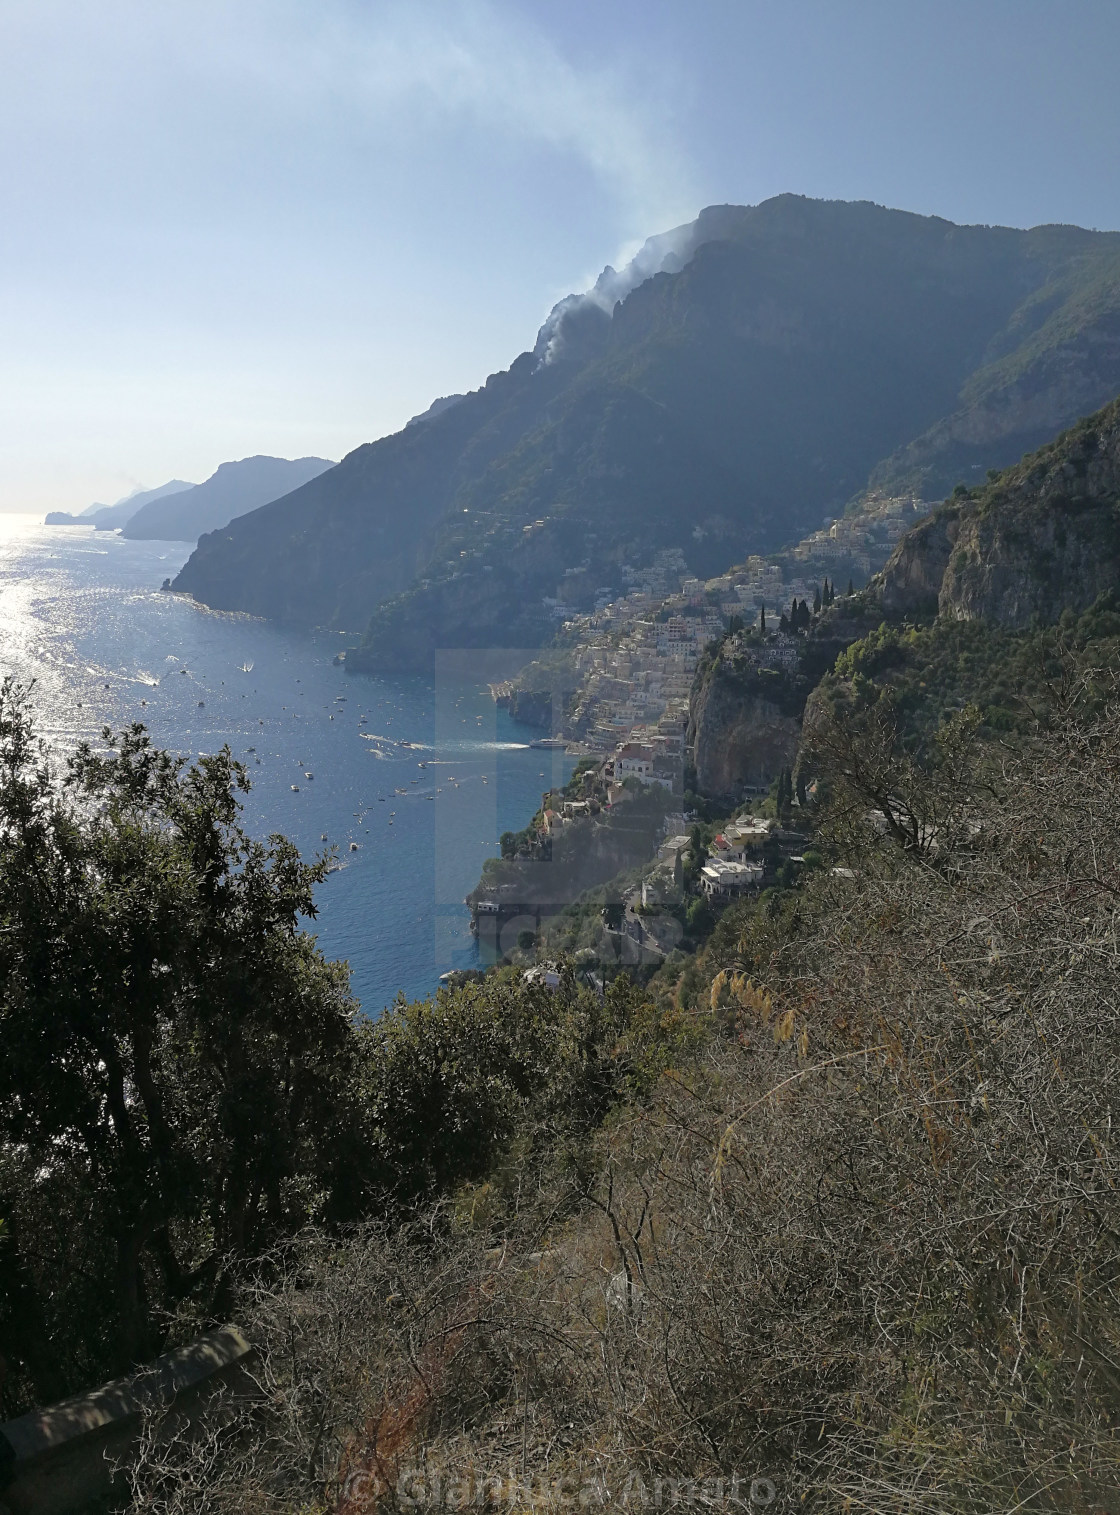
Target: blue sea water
x=424 y=775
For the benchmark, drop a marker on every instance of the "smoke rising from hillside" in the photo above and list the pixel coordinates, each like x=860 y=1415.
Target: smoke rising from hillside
x=580 y=319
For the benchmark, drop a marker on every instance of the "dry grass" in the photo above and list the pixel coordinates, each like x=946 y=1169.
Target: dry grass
x=866 y=1247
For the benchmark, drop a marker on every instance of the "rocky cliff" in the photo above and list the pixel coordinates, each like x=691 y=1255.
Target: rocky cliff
x=745 y=719
x=1042 y=537
x=743 y=723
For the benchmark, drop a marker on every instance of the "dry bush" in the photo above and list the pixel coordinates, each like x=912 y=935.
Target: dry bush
x=865 y=1247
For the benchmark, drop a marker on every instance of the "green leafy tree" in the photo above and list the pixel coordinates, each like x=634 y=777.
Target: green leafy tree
x=177 y=1059
x=614 y=912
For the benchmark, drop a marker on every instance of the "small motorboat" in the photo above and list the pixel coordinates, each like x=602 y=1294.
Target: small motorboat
x=295 y=788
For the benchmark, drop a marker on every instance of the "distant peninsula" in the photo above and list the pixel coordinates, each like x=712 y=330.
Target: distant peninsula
x=110 y=517
x=232 y=490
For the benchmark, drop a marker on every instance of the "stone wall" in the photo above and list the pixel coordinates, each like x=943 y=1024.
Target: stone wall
x=59 y=1461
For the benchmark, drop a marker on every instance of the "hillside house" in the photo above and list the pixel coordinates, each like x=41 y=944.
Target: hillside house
x=727 y=880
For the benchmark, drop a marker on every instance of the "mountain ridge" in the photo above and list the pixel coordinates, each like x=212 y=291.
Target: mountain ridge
x=780 y=362
x=108 y=517
x=231 y=490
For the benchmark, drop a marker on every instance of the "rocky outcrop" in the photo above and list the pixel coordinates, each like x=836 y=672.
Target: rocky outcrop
x=740 y=735
x=909 y=585
x=1042 y=537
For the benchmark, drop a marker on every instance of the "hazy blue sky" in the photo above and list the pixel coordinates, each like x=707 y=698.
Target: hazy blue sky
x=238 y=226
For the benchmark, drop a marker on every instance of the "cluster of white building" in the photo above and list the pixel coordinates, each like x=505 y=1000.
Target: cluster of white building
x=735 y=863
x=862 y=542
x=637 y=654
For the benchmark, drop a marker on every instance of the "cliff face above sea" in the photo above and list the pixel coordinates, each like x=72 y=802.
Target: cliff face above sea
x=743 y=381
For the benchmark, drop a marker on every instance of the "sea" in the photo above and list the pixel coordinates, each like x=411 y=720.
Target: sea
x=423 y=775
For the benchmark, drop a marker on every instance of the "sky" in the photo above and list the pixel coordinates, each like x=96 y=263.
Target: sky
x=285 y=226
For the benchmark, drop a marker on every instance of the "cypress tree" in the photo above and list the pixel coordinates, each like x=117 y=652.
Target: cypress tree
x=818 y=602
x=762 y=619
x=851 y=588
x=784 y=797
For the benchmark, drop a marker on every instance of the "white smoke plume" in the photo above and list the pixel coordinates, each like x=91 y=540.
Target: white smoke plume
x=581 y=318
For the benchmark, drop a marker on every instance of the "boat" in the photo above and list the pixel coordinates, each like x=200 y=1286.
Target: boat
x=246 y=668
x=309 y=775
x=549 y=743
x=403 y=744
x=353 y=846
x=295 y=788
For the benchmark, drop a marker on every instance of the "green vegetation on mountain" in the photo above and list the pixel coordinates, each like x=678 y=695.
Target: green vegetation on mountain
x=724 y=407
x=828 y=1207
x=832 y=1213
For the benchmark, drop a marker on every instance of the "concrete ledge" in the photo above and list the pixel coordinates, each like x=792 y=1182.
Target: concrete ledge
x=56 y=1461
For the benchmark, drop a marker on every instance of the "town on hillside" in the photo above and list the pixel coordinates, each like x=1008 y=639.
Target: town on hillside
x=629 y=663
